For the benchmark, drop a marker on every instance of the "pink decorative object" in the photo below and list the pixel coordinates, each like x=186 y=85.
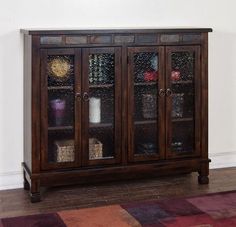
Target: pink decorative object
x=58 y=107
x=150 y=75
x=175 y=75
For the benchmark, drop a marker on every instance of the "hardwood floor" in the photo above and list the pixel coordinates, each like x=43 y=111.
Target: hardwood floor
x=16 y=202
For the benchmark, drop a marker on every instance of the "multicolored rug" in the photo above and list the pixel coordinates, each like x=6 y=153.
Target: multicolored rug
x=217 y=210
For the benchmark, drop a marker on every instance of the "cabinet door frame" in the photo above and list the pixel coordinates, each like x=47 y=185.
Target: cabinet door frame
x=197 y=101
x=160 y=109
x=117 y=106
x=76 y=52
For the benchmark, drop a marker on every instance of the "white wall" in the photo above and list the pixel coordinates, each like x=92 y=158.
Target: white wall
x=220 y=15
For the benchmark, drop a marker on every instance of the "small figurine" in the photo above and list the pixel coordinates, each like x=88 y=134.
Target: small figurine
x=175 y=75
x=150 y=75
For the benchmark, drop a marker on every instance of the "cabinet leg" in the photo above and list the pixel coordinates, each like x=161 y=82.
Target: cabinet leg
x=26 y=183
x=203 y=174
x=35 y=195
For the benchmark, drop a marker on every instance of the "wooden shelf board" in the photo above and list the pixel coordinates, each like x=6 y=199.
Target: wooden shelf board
x=60 y=88
x=145 y=83
x=101 y=86
x=100 y=125
x=182 y=119
x=55 y=128
x=182 y=82
x=145 y=122
x=102 y=158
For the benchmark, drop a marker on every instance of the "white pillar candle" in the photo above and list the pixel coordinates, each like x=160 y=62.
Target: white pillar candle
x=94 y=110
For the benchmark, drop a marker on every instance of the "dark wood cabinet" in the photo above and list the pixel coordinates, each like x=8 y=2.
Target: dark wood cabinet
x=114 y=104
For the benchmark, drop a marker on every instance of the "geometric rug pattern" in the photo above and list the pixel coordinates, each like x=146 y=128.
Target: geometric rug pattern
x=211 y=210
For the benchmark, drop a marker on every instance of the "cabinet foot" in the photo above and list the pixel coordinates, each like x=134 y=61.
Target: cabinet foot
x=26 y=185
x=35 y=197
x=203 y=179
x=203 y=174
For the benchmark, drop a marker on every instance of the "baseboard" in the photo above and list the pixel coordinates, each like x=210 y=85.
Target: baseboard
x=222 y=159
x=11 y=180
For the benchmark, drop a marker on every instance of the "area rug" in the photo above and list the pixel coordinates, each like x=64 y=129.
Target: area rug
x=217 y=210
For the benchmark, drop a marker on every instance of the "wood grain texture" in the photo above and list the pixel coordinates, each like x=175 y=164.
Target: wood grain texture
x=80 y=43
x=16 y=202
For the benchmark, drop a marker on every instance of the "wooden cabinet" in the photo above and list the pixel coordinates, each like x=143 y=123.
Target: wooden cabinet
x=110 y=104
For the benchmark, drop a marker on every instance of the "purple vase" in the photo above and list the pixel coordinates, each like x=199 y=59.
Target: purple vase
x=58 y=110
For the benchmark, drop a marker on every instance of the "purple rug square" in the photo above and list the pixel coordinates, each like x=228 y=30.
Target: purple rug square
x=40 y=220
x=147 y=213
x=179 y=207
x=217 y=206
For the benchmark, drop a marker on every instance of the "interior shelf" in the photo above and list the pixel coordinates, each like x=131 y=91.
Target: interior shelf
x=145 y=83
x=182 y=82
x=60 y=88
x=182 y=119
x=101 y=85
x=145 y=122
x=60 y=128
x=100 y=125
x=100 y=158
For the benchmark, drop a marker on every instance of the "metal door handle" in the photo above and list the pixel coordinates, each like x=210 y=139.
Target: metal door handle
x=78 y=95
x=161 y=92
x=168 y=92
x=85 y=96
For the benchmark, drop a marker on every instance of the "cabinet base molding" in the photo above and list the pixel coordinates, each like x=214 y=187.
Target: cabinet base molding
x=104 y=174
x=103 y=105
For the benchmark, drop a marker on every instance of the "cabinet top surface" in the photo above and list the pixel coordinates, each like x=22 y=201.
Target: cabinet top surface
x=64 y=31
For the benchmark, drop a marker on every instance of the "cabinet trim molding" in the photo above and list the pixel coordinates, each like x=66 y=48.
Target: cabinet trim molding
x=106 y=104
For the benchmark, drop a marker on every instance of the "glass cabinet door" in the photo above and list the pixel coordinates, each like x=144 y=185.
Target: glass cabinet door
x=60 y=93
x=101 y=106
x=146 y=104
x=183 y=101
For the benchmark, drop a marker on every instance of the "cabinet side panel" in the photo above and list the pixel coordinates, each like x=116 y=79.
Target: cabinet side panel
x=204 y=111
x=27 y=102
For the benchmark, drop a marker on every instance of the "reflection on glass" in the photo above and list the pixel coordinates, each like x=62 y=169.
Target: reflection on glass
x=149 y=108
x=145 y=67
x=60 y=77
x=177 y=105
x=101 y=105
x=182 y=86
x=145 y=140
x=145 y=103
x=183 y=137
x=101 y=68
x=183 y=64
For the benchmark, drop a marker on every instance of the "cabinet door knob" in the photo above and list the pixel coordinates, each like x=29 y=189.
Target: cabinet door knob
x=78 y=95
x=161 y=92
x=168 y=92
x=86 y=96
